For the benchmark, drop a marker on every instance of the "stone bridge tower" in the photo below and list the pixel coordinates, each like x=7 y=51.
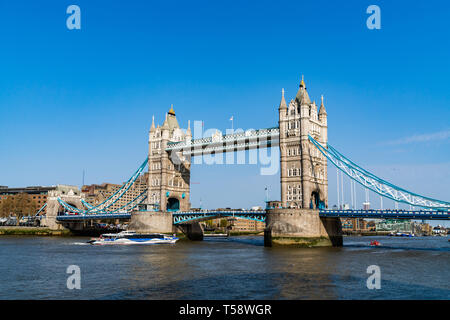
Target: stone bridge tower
x=304 y=180
x=169 y=174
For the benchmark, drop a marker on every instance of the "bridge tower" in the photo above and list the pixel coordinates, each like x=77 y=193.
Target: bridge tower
x=70 y=195
x=304 y=180
x=169 y=174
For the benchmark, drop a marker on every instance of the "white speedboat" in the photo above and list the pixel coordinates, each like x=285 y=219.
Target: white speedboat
x=131 y=237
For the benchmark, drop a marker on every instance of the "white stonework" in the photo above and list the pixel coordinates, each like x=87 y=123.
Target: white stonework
x=169 y=173
x=304 y=180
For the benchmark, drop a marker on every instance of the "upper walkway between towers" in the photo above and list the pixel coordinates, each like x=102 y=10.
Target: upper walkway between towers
x=242 y=140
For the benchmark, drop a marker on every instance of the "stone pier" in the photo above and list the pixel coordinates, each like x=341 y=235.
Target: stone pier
x=151 y=222
x=192 y=230
x=301 y=228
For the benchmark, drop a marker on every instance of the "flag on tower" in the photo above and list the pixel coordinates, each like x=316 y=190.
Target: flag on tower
x=231 y=119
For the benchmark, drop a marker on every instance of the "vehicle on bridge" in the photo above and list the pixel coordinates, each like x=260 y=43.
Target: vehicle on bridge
x=131 y=237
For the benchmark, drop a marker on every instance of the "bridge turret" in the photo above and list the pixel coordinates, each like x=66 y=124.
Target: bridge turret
x=314 y=113
x=283 y=105
x=283 y=125
x=188 y=132
x=322 y=112
x=165 y=129
x=152 y=128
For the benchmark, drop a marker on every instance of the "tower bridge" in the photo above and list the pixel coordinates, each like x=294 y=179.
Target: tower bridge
x=303 y=213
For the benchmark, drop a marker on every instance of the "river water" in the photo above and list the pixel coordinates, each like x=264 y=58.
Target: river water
x=234 y=268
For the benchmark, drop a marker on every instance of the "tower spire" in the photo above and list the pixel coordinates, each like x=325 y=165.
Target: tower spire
x=153 y=123
x=283 y=101
x=166 y=123
x=188 y=131
x=302 y=96
x=322 y=110
x=171 y=111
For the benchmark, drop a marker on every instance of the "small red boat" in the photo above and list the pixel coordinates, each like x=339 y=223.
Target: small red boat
x=375 y=243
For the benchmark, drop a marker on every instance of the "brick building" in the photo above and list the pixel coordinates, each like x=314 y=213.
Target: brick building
x=38 y=194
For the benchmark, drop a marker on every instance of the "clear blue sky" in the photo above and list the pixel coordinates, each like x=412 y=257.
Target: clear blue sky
x=83 y=99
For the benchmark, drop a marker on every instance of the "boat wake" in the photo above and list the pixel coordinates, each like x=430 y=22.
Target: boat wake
x=79 y=243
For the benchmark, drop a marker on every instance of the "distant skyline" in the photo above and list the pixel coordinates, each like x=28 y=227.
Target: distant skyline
x=74 y=100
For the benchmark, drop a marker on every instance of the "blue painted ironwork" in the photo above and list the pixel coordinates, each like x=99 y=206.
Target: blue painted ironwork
x=84 y=217
x=126 y=207
x=41 y=209
x=189 y=216
x=376 y=184
x=111 y=200
x=87 y=204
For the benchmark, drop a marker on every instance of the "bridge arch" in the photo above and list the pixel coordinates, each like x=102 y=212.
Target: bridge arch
x=62 y=211
x=317 y=199
x=173 y=204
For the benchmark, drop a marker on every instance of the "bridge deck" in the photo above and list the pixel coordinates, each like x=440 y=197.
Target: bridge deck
x=188 y=216
x=84 y=217
x=387 y=214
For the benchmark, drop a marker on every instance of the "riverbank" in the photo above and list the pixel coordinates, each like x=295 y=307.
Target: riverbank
x=247 y=233
x=365 y=233
x=32 y=231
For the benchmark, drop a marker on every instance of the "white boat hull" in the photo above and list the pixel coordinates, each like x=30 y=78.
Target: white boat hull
x=127 y=239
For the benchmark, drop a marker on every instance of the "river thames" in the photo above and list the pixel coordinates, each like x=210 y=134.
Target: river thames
x=234 y=268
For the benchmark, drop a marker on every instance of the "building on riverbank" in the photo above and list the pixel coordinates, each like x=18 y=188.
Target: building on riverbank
x=241 y=225
x=37 y=193
x=395 y=225
x=28 y=200
x=422 y=229
x=235 y=224
x=439 y=230
x=355 y=225
x=24 y=200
